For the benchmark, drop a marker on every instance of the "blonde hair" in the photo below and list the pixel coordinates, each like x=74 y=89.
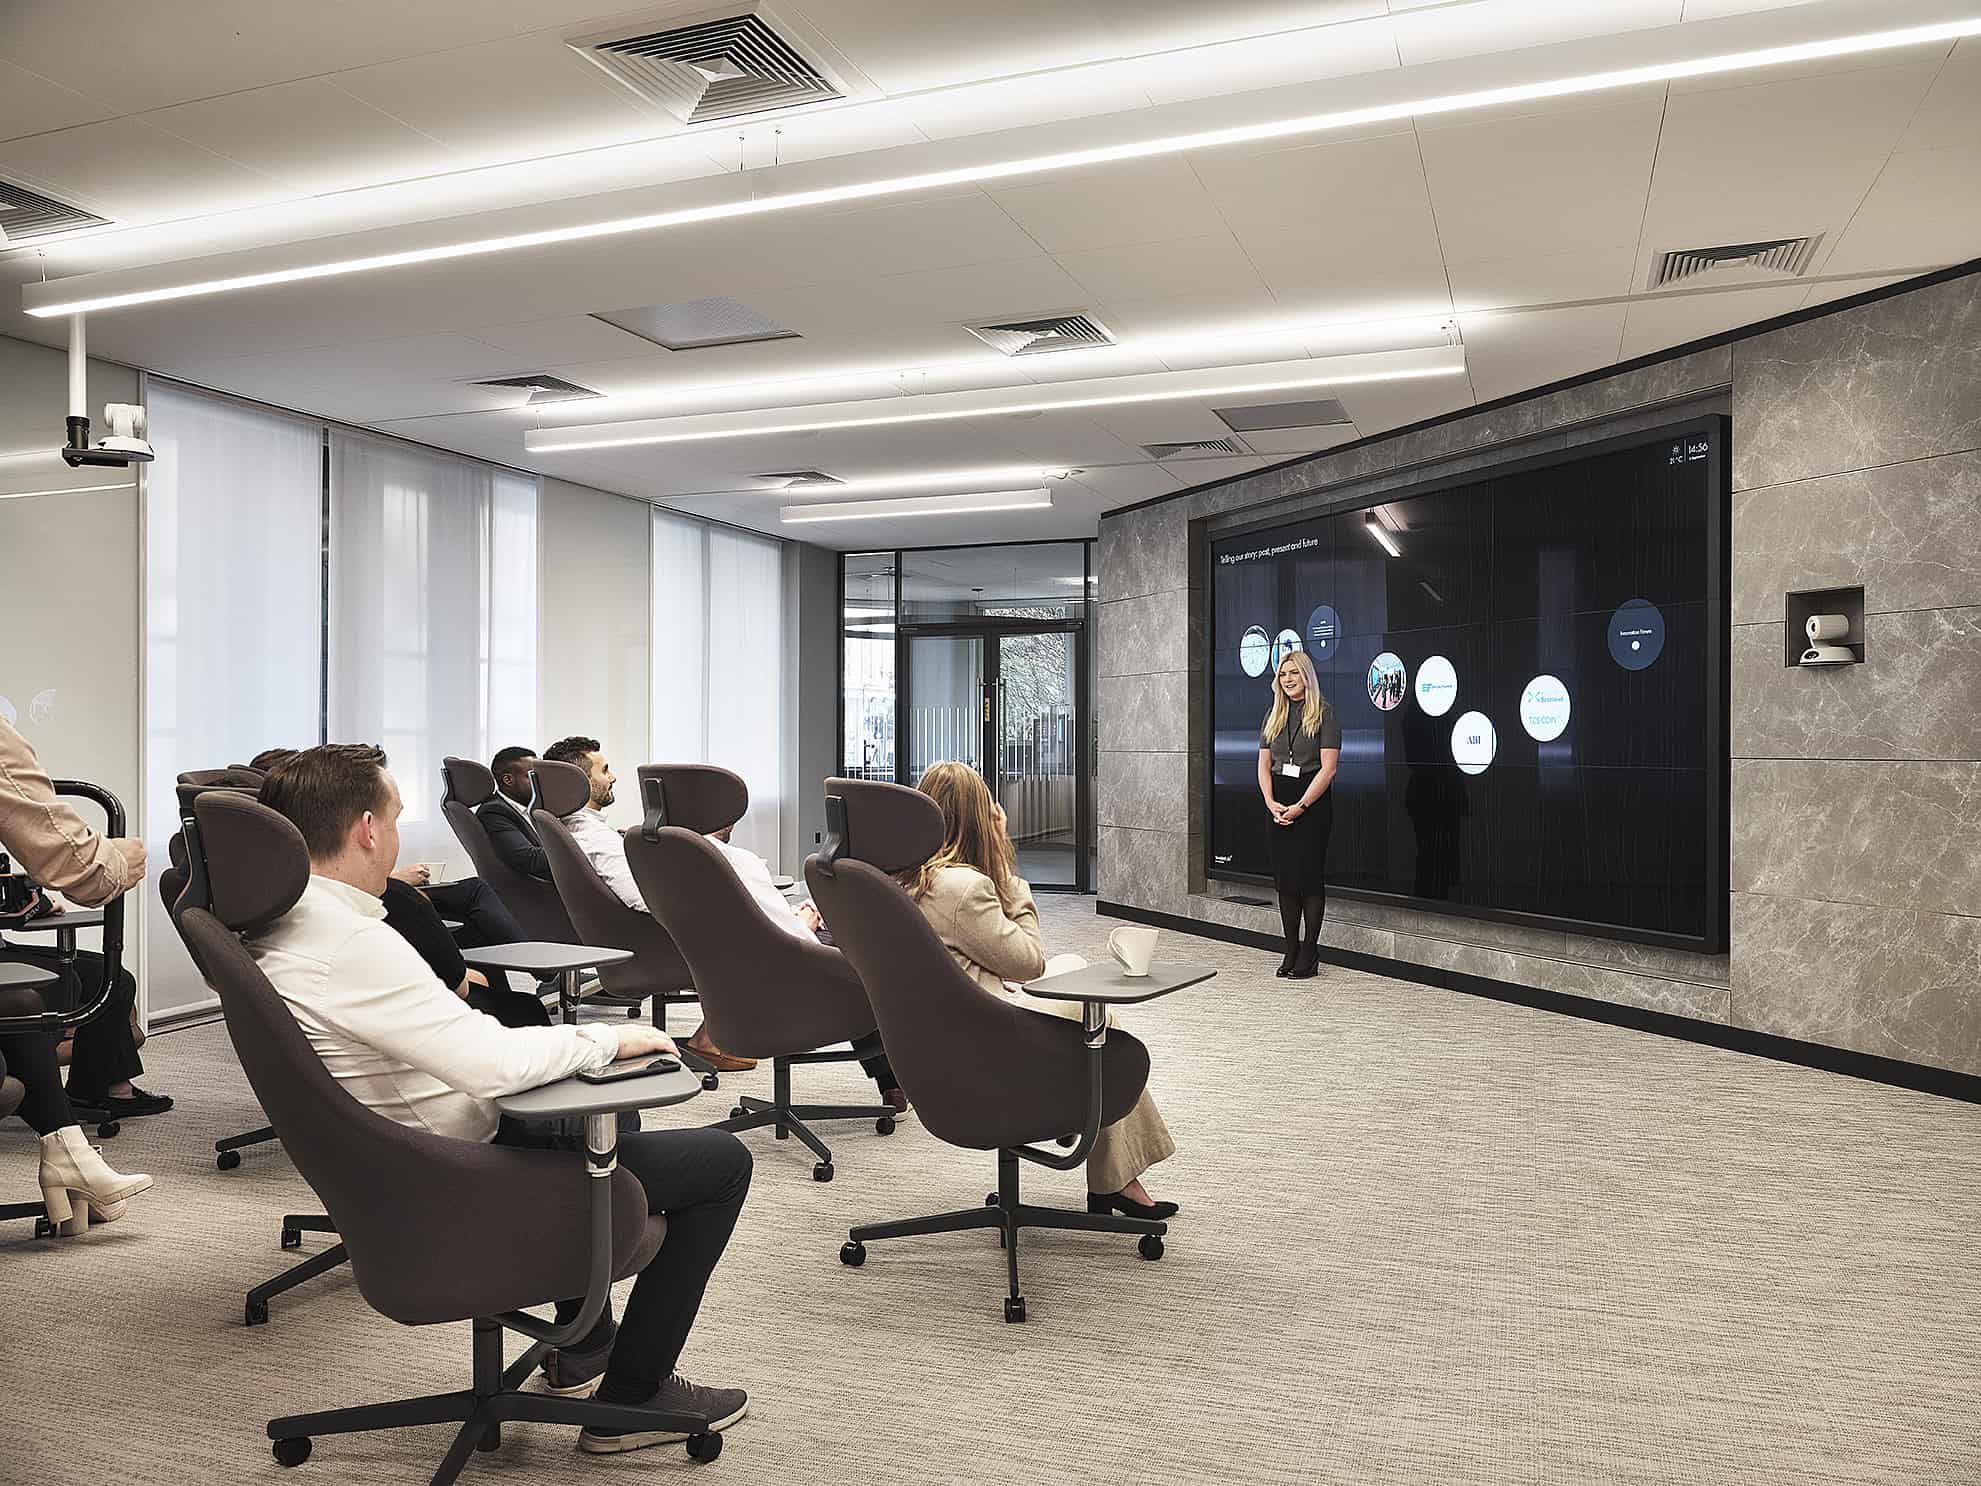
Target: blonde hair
x=972 y=834
x=1311 y=704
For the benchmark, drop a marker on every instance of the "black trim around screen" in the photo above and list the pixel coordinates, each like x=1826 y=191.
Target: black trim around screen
x=1705 y=928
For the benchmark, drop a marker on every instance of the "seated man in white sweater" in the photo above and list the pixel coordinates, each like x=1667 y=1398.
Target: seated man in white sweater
x=605 y=849
x=404 y=1045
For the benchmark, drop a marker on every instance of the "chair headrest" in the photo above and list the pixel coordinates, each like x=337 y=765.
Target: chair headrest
x=887 y=826
x=696 y=797
x=256 y=863
x=465 y=780
x=234 y=776
x=560 y=788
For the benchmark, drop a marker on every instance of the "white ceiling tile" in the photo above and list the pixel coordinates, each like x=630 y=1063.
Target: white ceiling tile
x=1446 y=32
x=1365 y=270
x=1312 y=184
x=1951 y=114
x=405 y=359
x=1516 y=353
x=1177 y=422
x=565 y=338
x=1196 y=472
x=900 y=237
x=1192 y=313
x=1655 y=324
x=130 y=172
x=1275 y=61
x=517 y=98
x=309 y=135
x=1136 y=201
x=32 y=104
x=1014 y=103
x=1009 y=289
x=950 y=44
x=1924 y=211
x=1377 y=406
x=1548 y=278
x=1824 y=292
x=1162 y=270
x=1125 y=484
x=1573 y=188
x=1281 y=442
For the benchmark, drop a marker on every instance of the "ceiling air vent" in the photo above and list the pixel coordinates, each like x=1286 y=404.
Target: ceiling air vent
x=1321 y=412
x=542 y=387
x=27 y=215
x=1048 y=333
x=696 y=323
x=1784 y=256
x=789 y=478
x=720 y=68
x=1195 y=449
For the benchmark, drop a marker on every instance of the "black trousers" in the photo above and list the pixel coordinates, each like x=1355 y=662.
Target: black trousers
x=699 y=1178
x=106 y=1051
x=30 y=1057
x=484 y=919
x=873 y=1059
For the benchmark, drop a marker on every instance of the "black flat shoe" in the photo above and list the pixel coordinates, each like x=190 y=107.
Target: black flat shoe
x=1114 y=1202
x=124 y=1107
x=1306 y=967
x=1286 y=965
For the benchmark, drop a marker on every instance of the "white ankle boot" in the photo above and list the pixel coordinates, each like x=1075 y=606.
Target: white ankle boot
x=76 y=1184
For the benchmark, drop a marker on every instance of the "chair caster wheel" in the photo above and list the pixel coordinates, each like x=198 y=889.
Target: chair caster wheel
x=1014 y=1308
x=292 y=1238
x=1068 y=1141
x=257 y=1315
x=711 y=1082
x=108 y=1130
x=43 y=1228
x=822 y=1172
x=852 y=1253
x=292 y=1452
x=884 y=1125
x=227 y=1160
x=736 y=1112
x=702 y=1448
x=991 y=1201
x=1150 y=1247
x=632 y=1013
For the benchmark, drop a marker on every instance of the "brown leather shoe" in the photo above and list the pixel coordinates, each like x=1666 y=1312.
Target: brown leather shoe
x=703 y=1047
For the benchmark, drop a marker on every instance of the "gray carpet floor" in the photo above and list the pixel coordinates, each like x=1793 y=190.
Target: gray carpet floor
x=1425 y=1238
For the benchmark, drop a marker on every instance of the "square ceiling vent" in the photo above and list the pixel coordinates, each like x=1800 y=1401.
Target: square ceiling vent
x=737 y=62
x=788 y=478
x=696 y=323
x=542 y=387
x=1781 y=257
x=27 y=215
x=1194 y=449
x=1320 y=412
x=1047 y=333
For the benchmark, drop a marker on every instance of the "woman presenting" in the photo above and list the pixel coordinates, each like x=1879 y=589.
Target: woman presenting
x=1299 y=750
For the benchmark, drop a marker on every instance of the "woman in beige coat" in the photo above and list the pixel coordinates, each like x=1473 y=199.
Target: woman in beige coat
x=984 y=913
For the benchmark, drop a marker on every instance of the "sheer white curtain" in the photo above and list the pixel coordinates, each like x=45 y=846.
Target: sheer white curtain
x=233 y=612
x=432 y=615
x=718 y=662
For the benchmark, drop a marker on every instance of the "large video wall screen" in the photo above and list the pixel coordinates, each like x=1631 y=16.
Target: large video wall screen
x=1529 y=671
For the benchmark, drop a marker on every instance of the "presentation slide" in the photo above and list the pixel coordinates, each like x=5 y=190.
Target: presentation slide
x=1528 y=669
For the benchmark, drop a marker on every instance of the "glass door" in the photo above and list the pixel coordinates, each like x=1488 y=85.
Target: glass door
x=946 y=703
x=1037 y=754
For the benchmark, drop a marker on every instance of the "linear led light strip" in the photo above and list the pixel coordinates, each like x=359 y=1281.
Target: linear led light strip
x=555 y=440
x=996 y=170
x=935 y=505
x=995 y=477
x=65 y=490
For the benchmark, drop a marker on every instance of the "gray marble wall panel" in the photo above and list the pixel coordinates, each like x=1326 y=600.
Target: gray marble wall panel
x=1146 y=869
x=1894 y=380
x=1917 y=697
x=1143 y=552
x=1143 y=635
x=1897 y=835
x=1909 y=533
x=1143 y=714
x=1149 y=791
x=1878 y=980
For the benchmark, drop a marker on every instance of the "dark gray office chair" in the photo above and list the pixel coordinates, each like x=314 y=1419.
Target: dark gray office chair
x=983 y=1071
x=766 y=992
x=657 y=969
x=465 y=784
x=12 y=1093
x=417 y=1210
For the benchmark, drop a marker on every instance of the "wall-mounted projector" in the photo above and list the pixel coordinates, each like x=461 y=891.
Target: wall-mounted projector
x=124 y=445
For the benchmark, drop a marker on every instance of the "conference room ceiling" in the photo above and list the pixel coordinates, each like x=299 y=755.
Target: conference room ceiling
x=1511 y=245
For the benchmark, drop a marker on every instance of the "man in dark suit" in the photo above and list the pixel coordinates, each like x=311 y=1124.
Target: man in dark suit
x=505 y=815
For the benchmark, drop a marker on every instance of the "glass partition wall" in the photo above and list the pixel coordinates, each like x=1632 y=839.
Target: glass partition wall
x=979 y=655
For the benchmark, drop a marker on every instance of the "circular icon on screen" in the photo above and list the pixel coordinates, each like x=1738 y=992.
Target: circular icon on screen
x=1285 y=645
x=1637 y=634
x=1386 y=681
x=1473 y=742
x=1544 y=709
x=1437 y=686
x=1323 y=629
x=1254 y=651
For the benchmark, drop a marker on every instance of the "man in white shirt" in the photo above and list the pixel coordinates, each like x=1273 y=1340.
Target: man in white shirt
x=605 y=849
x=404 y=1045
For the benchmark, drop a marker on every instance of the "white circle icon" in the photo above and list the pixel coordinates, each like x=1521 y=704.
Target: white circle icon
x=1544 y=709
x=1254 y=651
x=1285 y=645
x=1437 y=686
x=1473 y=742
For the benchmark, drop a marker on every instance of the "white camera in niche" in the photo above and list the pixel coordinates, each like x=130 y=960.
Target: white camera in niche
x=1824 y=631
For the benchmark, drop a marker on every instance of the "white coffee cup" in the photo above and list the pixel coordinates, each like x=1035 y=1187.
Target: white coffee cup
x=1132 y=945
x=435 y=871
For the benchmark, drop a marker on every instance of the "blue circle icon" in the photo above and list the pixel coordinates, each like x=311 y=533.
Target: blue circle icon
x=1637 y=634
x=1323 y=632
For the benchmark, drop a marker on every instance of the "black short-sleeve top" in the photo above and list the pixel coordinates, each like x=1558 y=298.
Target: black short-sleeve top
x=1296 y=745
